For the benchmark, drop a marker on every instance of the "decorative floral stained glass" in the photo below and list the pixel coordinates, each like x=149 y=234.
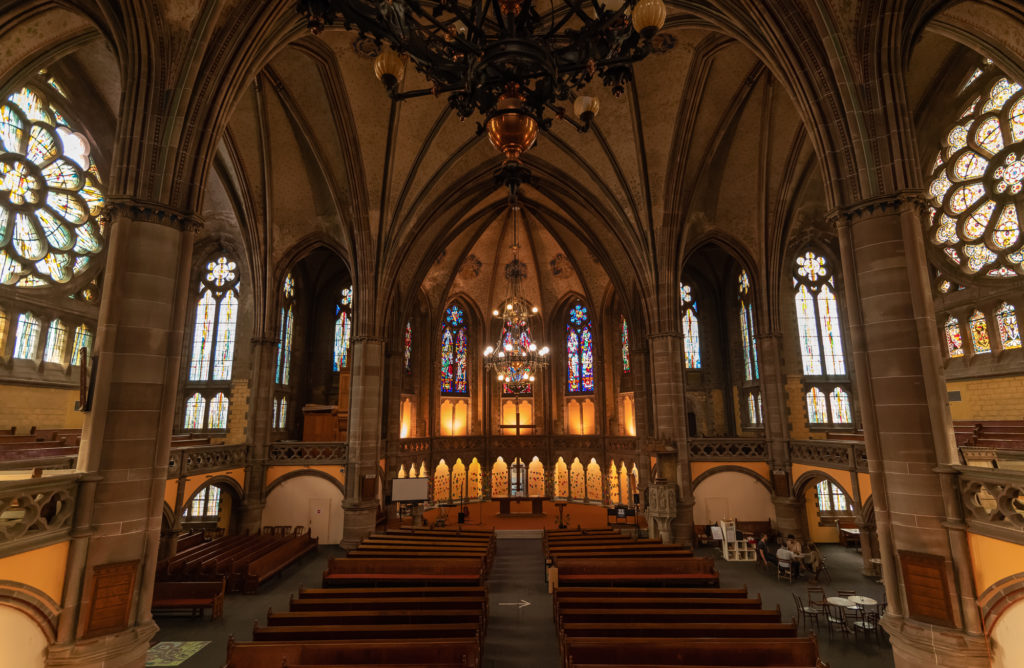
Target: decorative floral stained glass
x=26 y=336
x=691 y=328
x=579 y=338
x=624 y=343
x=979 y=333
x=218 y=412
x=213 y=339
x=821 y=347
x=1006 y=320
x=954 y=342
x=840 y=402
x=407 y=349
x=50 y=195
x=83 y=339
x=979 y=226
x=454 y=342
x=56 y=339
x=343 y=329
x=195 y=411
x=817 y=407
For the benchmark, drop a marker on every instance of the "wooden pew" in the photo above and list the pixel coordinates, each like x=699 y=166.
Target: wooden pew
x=653 y=572
x=788 y=652
x=402 y=572
x=464 y=653
x=667 y=616
x=570 y=602
x=266 y=566
x=611 y=593
x=365 y=632
x=375 y=617
x=194 y=596
x=475 y=603
x=392 y=592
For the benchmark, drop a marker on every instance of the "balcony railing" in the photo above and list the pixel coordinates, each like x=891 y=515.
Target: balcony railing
x=305 y=453
x=36 y=511
x=196 y=459
x=846 y=455
x=727 y=449
x=541 y=445
x=993 y=501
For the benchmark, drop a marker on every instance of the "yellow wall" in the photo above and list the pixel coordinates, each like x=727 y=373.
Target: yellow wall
x=43 y=569
x=192 y=483
x=988 y=398
x=816 y=532
x=237 y=411
x=275 y=472
x=25 y=407
x=797 y=404
x=993 y=560
x=760 y=468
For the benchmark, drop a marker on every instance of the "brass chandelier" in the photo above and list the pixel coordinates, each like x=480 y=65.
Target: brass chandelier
x=516 y=359
x=515 y=62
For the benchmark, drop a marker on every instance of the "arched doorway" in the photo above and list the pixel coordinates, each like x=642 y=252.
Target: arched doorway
x=731 y=493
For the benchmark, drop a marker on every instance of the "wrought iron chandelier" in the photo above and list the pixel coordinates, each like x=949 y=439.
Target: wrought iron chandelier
x=515 y=359
x=511 y=61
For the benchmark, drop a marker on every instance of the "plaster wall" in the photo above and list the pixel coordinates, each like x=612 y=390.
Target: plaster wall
x=23 y=641
x=24 y=407
x=731 y=495
x=1006 y=640
x=295 y=501
x=42 y=568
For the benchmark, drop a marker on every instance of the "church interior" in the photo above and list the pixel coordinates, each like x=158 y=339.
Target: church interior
x=511 y=333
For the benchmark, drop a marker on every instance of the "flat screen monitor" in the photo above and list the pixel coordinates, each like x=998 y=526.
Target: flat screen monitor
x=409 y=490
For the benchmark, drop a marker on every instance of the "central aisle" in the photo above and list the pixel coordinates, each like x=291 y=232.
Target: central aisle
x=517 y=634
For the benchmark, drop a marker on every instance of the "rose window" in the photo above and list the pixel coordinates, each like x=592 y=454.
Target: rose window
x=977 y=182
x=50 y=196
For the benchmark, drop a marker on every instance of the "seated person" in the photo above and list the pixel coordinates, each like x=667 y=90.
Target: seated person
x=786 y=558
x=794 y=545
x=812 y=558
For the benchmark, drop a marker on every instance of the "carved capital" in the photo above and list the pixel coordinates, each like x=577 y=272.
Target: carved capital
x=882 y=203
x=151 y=212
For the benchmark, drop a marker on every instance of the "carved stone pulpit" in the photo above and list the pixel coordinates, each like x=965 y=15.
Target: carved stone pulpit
x=661 y=509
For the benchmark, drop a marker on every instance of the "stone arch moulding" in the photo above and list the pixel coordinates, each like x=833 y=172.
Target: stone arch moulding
x=810 y=477
x=999 y=597
x=168 y=514
x=42 y=609
x=222 y=480
x=291 y=475
x=730 y=468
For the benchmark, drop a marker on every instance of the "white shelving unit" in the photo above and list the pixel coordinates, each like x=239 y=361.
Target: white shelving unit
x=732 y=549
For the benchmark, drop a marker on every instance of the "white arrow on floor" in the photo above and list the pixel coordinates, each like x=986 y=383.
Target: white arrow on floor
x=521 y=603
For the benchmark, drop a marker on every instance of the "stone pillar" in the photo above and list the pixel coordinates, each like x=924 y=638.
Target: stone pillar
x=788 y=510
x=364 y=437
x=259 y=430
x=669 y=403
x=895 y=351
x=126 y=439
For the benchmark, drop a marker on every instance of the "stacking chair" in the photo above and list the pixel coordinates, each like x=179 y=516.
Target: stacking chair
x=865 y=622
x=823 y=571
x=785 y=571
x=835 y=617
x=805 y=612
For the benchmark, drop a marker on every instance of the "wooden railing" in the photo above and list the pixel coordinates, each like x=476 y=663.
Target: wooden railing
x=36 y=511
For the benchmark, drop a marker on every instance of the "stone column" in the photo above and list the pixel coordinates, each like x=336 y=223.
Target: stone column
x=896 y=355
x=259 y=431
x=788 y=510
x=364 y=437
x=669 y=403
x=126 y=439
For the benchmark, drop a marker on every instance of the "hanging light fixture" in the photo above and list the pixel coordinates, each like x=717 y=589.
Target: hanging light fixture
x=516 y=360
x=515 y=62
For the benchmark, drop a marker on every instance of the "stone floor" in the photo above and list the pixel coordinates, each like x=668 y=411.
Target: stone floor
x=524 y=635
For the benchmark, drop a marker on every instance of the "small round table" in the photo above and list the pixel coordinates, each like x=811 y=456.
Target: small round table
x=841 y=601
x=863 y=601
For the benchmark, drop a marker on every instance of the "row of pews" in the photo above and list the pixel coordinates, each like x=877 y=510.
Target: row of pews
x=403 y=597
x=43 y=447
x=244 y=562
x=992 y=444
x=653 y=608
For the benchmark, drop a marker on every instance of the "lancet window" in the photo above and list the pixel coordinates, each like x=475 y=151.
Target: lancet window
x=579 y=346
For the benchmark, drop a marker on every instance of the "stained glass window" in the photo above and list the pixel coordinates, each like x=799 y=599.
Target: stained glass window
x=50 y=195
x=218 y=412
x=56 y=338
x=213 y=340
x=284 y=338
x=407 y=349
x=817 y=407
x=343 y=329
x=282 y=414
x=1009 y=334
x=83 y=339
x=831 y=498
x=747 y=333
x=754 y=408
x=691 y=329
x=206 y=503
x=840 y=402
x=26 y=337
x=954 y=343
x=579 y=345
x=624 y=342
x=3 y=330
x=195 y=411
x=979 y=333
x=817 y=315
x=977 y=177
x=454 y=344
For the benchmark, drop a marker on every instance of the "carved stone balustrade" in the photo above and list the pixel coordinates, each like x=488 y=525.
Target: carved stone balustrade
x=196 y=459
x=993 y=501
x=305 y=453
x=845 y=455
x=36 y=511
x=727 y=449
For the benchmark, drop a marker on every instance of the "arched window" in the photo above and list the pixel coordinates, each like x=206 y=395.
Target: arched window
x=26 y=337
x=83 y=339
x=282 y=413
x=750 y=368
x=840 y=403
x=454 y=343
x=954 y=342
x=343 y=329
x=195 y=411
x=3 y=331
x=56 y=339
x=817 y=407
x=979 y=333
x=817 y=312
x=579 y=345
x=754 y=415
x=624 y=343
x=1006 y=320
x=213 y=341
x=407 y=349
x=284 y=339
x=53 y=198
x=205 y=504
x=977 y=177
x=691 y=330
x=218 y=412
x=831 y=499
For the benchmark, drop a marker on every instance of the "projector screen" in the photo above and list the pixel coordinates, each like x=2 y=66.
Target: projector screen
x=407 y=490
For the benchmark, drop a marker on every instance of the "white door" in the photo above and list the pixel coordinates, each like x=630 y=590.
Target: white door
x=320 y=520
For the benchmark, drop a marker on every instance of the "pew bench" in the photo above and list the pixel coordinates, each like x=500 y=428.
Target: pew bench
x=693 y=652
x=194 y=596
x=270 y=564
x=365 y=632
x=434 y=653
